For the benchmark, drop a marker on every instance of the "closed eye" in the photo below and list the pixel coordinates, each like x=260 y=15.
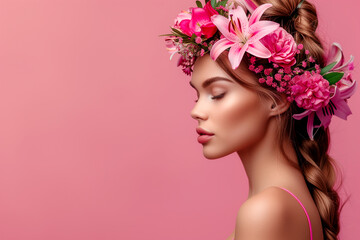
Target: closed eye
x=218 y=96
x=215 y=97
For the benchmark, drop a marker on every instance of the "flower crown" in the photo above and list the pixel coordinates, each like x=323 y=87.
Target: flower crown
x=236 y=26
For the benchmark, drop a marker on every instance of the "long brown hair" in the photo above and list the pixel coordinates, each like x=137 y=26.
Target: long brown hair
x=319 y=169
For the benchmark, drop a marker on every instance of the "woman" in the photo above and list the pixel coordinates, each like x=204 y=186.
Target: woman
x=267 y=91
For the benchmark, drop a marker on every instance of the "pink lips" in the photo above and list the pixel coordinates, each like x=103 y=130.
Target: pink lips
x=204 y=136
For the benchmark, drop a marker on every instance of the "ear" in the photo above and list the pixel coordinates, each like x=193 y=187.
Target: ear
x=279 y=106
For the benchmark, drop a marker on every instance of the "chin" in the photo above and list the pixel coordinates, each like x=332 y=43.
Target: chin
x=215 y=153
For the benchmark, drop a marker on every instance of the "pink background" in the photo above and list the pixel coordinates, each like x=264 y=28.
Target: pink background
x=96 y=138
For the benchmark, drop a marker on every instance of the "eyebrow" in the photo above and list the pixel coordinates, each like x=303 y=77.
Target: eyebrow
x=209 y=81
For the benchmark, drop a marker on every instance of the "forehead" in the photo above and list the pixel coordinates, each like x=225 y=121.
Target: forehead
x=205 y=68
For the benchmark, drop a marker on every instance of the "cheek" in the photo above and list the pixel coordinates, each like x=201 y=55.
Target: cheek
x=242 y=119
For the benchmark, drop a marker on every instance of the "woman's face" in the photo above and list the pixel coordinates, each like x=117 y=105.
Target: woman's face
x=233 y=113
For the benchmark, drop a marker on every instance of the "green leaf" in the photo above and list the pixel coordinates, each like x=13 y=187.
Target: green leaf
x=333 y=77
x=193 y=37
x=327 y=68
x=198 y=3
x=213 y=3
x=223 y=3
x=169 y=34
x=206 y=1
x=178 y=32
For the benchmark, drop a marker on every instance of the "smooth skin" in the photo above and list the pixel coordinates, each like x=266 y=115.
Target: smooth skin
x=244 y=123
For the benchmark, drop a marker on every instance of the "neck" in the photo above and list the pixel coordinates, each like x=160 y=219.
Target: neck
x=266 y=166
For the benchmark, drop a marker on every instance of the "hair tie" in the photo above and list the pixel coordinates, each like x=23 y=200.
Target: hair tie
x=295 y=13
x=299 y=5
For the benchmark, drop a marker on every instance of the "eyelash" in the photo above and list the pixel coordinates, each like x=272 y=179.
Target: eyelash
x=215 y=97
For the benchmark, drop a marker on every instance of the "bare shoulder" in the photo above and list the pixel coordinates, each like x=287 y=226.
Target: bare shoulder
x=263 y=216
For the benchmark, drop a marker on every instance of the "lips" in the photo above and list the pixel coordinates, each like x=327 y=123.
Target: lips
x=201 y=131
x=204 y=136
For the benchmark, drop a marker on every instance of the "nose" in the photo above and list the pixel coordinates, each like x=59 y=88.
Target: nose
x=197 y=114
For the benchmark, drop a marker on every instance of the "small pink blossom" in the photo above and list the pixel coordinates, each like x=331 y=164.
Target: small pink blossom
x=283 y=84
x=310 y=91
x=269 y=80
x=300 y=46
x=280 y=89
x=287 y=77
x=278 y=76
x=268 y=71
x=252 y=60
x=282 y=47
x=307 y=52
x=303 y=64
x=261 y=80
x=287 y=70
x=198 y=39
x=351 y=66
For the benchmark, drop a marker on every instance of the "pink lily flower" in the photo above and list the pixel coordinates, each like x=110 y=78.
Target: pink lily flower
x=339 y=93
x=242 y=34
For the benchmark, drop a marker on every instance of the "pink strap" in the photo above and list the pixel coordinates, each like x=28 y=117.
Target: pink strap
x=307 y=215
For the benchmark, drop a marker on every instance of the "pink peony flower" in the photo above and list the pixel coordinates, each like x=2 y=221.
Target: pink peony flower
x=310 y=91
x=282 y=47
x=199 y=21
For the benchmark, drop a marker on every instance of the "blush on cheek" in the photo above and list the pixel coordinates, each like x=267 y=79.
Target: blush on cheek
x=243 y=119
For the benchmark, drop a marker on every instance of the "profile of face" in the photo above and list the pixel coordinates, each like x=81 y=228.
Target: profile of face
x=236 y=115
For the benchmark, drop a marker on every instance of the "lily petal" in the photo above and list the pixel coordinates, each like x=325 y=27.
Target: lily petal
x=259 y=11
x=240 y=19
x=222 y=23
x=348 y=92
x=250 y=5
x=261 y=29
x=345 y=67
x=310 y=125
x=342 y=110
x=335 y=55
x=220 y=46
x=259 y=50
x=236 y=54
x=301 y=115
x=324 y=119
